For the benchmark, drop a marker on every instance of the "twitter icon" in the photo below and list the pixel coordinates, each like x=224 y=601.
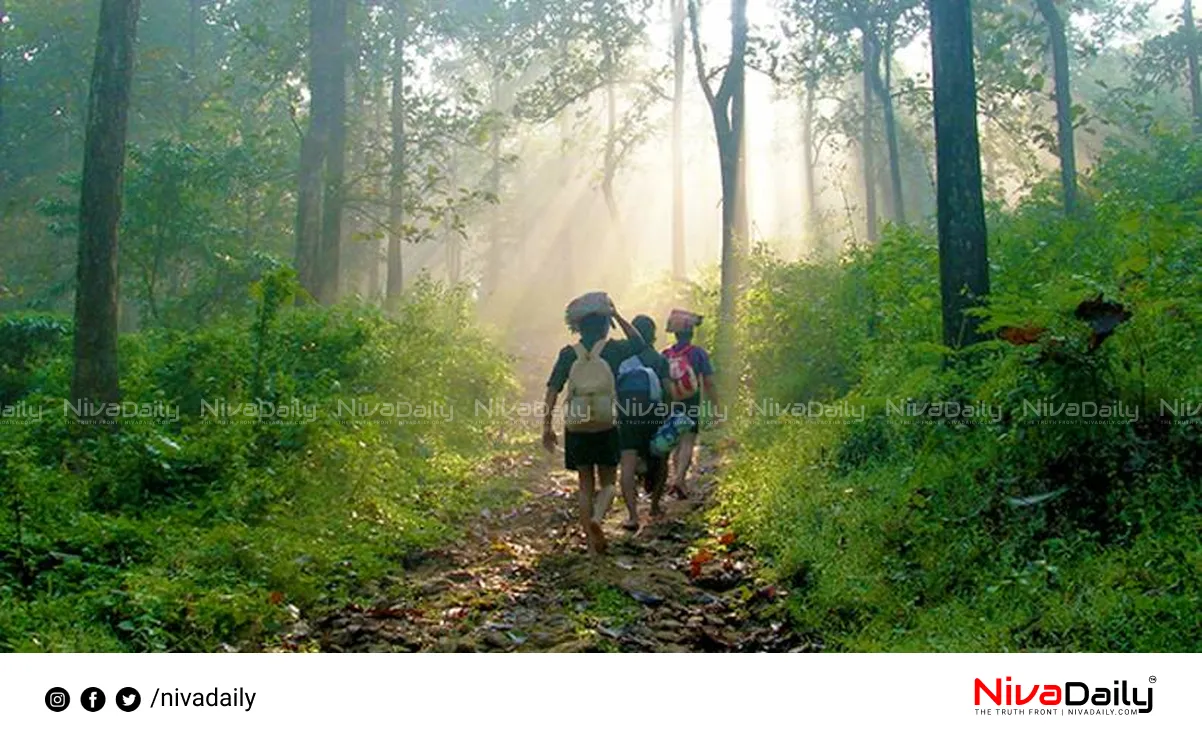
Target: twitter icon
x=128 y=699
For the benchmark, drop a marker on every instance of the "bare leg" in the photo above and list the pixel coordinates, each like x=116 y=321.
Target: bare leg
x=630 y=493
x=606 y=476
x=684 y=458
x=605 y=499
x=585 y=500
x=657 y=474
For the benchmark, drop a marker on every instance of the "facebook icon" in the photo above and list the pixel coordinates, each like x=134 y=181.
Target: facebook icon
x=92 y=699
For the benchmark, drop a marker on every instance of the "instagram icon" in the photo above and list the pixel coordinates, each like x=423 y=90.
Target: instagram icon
x=57 y=699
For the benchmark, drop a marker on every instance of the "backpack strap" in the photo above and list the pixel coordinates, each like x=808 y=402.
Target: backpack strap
x=674 y=352
x=583 y=354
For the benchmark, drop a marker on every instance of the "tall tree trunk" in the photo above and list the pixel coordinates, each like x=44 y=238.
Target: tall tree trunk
x=1064 y=102
x=609 y=169
x=314 y=149
x=452 y=255
x=621 y=258
x=963 y=264
x=989 y=161
x=678 y=227
x=187 y=77
x=334 y=198
x=359 y=129
x=867 y=158
x=728 y=110
x=566 y=239
x=1191 y=50
x=97 y=292
x=381 y=114
x=3 y=121
x=735 y=188
x=883 y=89
x=396 y=204
x=492 y=263
x=809 y=185
x=738 y=126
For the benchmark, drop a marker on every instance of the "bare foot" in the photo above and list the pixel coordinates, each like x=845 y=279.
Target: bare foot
x=596 y=538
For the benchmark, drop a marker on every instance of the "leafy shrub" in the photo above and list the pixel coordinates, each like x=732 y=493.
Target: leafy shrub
x=186 y=529
x=1008 y=530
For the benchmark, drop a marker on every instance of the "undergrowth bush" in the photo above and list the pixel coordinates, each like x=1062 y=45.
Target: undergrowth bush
x=186 y=525
x=1003 y=525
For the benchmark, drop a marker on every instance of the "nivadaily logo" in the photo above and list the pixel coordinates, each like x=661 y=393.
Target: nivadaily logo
x=1071 y=697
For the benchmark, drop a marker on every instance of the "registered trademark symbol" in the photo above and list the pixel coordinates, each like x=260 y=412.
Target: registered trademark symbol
x=1151 y=679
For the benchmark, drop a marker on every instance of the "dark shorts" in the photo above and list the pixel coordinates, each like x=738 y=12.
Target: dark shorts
x=638 y=420
x=600 y=448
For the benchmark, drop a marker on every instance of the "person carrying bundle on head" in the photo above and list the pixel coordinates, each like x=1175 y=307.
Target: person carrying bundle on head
x=691 y=374
x=589 y=369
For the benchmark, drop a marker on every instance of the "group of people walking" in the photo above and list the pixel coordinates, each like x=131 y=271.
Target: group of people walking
x=629 y=406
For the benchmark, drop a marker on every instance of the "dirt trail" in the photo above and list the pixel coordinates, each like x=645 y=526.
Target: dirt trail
x=522 y=581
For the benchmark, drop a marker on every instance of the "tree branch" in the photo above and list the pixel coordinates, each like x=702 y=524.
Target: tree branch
x=699 y=59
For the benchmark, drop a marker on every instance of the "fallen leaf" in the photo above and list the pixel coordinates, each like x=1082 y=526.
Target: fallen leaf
x=727 y=538
x=1023 y=336
x=700 y=558
x=275 y=597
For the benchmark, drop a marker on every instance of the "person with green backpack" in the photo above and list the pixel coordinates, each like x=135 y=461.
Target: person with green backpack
x=589 y=369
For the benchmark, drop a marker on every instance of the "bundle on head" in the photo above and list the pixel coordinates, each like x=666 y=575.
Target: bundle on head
x=593 y=303
x=682 y=320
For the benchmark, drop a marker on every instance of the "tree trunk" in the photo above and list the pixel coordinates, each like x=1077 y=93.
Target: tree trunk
x=493 y=260
x=3 y=121
x=738 y=127
x=728 y=110
x=97 y=289
x=735 y=230
x=334 y=197
x=963 y=264
x=883 y=89
x=609 y=168
x=809 y=187
x=323 y=154
x=452 y=256
x=678 y=227
x=566 y=239
x=867 y=159
x=1064 y=102
x=187 y=77
x=1191 y=50
x=492 y=265
x=314 y=146
x=621 y=258
x=396 y=205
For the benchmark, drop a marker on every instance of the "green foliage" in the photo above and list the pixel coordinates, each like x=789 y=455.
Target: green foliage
x=1008 y=528
x=187 y=527
x=27 y=341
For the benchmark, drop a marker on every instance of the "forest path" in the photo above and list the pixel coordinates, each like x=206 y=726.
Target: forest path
x=522 y=581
